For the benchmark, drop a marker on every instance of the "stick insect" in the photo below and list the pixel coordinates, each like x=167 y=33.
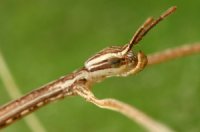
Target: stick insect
x=112 y=61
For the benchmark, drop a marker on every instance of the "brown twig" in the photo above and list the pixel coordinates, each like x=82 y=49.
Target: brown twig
x=173 y=53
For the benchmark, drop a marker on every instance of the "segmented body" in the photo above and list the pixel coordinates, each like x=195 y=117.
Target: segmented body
x=32 y=101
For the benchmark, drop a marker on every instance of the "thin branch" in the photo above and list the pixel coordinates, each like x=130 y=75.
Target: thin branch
x=32 y=121
x=173 y=53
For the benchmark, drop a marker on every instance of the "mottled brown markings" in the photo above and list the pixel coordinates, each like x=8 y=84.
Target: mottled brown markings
x=31 y=108
x=112 y=49
x=24 y=112
x=23 y=100
x=40 y=104
x=57 y=93
x=104 y=61
x=122 y=61
x=9 y=121
x=105 y=66
x=34 y=94
x=102 y=67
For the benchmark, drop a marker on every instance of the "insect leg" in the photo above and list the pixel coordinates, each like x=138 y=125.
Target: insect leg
x=125 y=109
x=141 y=63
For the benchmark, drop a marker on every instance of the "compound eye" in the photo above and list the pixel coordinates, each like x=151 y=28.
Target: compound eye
x=115 y=62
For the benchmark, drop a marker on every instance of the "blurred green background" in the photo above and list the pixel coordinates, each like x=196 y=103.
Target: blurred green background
x=43 y=40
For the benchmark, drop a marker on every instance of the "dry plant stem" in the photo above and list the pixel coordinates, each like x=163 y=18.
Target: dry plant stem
x=174 y=53
x=32 y=121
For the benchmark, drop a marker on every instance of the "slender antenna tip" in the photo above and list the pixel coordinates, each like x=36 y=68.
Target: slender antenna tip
x=172 y=9
x=169 y=11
